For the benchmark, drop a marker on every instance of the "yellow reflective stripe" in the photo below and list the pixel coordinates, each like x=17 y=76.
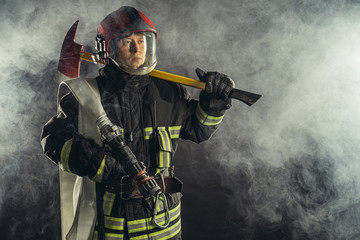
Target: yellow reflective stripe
x=109 y=236
x=158 y=171
x=161 y=158
x=149 y=219
x=165 y=140
x=209 y=116
x=201 y=120
x=152 y=226
x=95 y=235
x=115 y=219
x=114 y=235
x=114 y=223
x=148 y=129
x=164 y=159
x=147 y=132
x=206 y=119
x=143 y=224
x=108 y=202
x=175 y=229
x=164 y=155
x=174 y=131
x=114 y=227
x=100 y=171
x=64 y=155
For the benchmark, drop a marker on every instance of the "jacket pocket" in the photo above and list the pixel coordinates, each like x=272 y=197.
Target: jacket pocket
x=164 y=155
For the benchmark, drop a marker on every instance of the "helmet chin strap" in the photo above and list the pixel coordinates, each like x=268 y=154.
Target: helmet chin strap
x=139 y=71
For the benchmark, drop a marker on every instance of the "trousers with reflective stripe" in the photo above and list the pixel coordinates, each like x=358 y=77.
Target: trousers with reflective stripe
x=132 y=219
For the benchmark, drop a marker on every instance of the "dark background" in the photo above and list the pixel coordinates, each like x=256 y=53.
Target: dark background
x=286 y=168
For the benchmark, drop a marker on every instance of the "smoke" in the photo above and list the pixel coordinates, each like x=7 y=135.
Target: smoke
x=295 y=150
x=285 y=168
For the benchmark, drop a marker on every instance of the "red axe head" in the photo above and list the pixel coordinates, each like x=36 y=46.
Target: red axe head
x=69 y=63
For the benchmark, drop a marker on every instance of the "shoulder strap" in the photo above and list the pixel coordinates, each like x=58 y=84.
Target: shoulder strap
x=74 y=189
x=86 y=93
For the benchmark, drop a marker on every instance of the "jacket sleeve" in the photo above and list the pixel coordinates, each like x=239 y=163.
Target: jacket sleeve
x=72 y=152
x=202 y=117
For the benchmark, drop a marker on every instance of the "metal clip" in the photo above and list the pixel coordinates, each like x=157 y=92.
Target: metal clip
x=162 y=180
x=160 y=172
x=160 y=194
x=121 y=188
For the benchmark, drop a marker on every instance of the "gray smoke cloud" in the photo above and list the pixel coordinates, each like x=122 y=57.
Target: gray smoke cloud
x=285 y=168
x=297 y=148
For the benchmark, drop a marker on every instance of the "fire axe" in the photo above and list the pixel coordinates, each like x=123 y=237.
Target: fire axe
x=72 y=53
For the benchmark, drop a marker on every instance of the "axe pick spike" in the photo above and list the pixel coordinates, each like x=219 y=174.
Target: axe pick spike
x=69 y=63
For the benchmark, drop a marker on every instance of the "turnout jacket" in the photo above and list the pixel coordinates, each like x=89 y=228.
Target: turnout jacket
x=153 y=115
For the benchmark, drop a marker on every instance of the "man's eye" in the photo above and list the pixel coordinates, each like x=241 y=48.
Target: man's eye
x=126 y=42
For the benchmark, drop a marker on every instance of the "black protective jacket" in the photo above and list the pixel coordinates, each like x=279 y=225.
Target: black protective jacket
x=153 y=115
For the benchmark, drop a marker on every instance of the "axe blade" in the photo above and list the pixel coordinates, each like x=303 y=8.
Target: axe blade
x=69 y=63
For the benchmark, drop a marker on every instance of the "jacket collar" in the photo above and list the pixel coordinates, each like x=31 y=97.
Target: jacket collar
x=115 y=79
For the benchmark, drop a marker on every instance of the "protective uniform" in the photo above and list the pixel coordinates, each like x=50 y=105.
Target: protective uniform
x=152 y=115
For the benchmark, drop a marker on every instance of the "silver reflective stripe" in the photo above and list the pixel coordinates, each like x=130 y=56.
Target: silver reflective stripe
x=206 y=119
x=64 y=155
x=114 y=223
x=164 y=154
x=100 y=172
x=164 y=159
x=108 y=202
x=146 y=224
x=166 y=233
x=165 y=136
x=148 y=132
x=174 y=131
x=114 y=236
x=165 y=139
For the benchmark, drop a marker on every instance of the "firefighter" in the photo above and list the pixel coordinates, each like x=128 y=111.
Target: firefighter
x=121 y=164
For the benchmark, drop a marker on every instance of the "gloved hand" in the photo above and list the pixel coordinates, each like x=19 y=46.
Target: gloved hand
x=218 y=85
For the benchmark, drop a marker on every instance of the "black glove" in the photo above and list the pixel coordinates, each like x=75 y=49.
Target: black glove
x=218 y=85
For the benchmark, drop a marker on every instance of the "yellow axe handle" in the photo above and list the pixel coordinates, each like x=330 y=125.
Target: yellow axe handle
x=178 y=79
x=156 y=73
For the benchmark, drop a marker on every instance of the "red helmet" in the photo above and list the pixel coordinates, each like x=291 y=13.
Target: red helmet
x=127 y=20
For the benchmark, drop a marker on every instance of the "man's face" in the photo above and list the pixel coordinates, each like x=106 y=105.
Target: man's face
x=131 y=50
